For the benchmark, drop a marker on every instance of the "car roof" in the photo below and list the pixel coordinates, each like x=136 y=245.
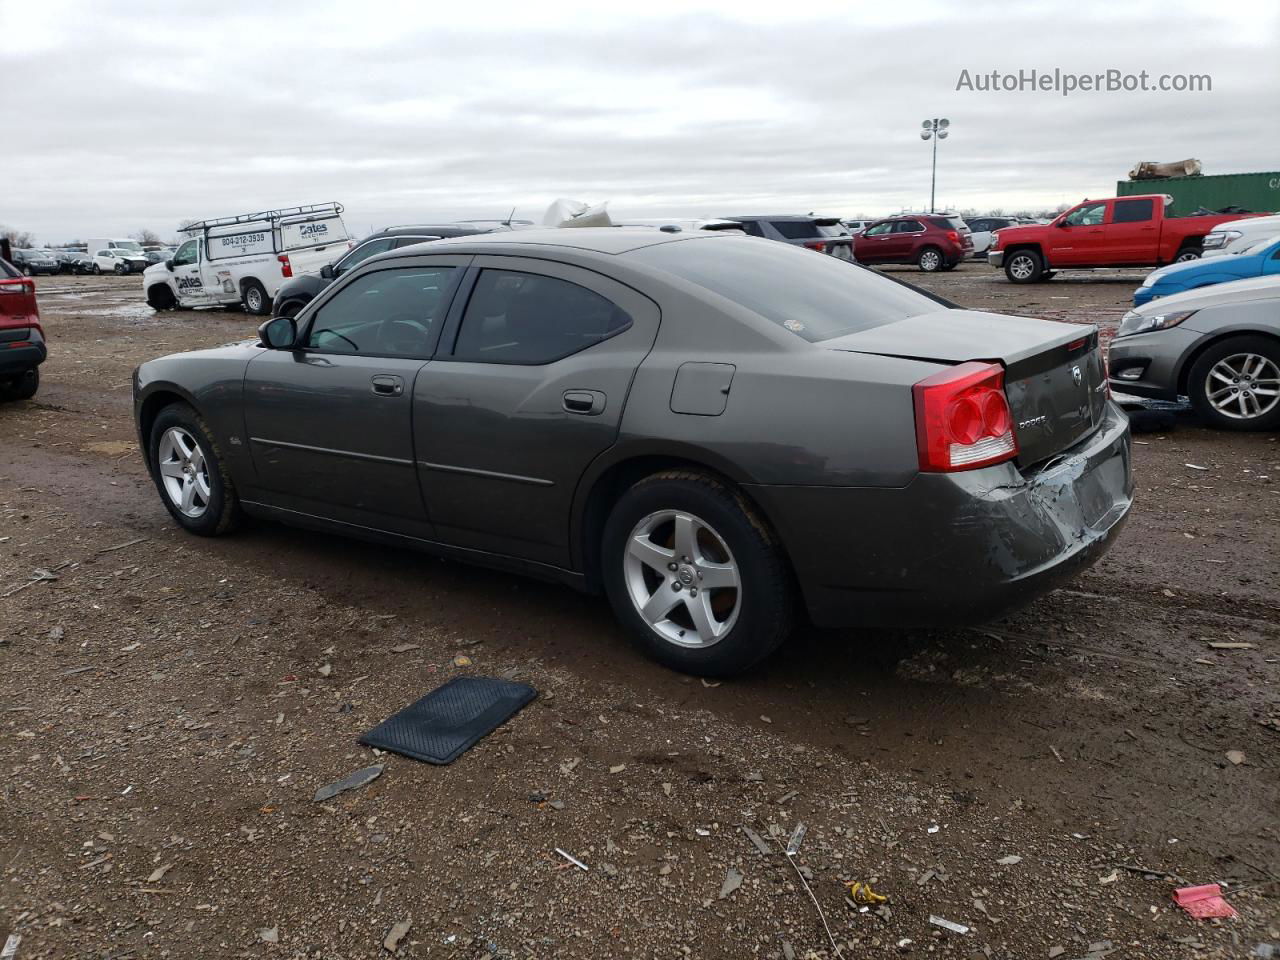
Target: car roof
x=608 y=240
x=779 y=216
x=430 y=229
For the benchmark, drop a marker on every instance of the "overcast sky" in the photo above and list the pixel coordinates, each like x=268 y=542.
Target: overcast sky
x=120 y=116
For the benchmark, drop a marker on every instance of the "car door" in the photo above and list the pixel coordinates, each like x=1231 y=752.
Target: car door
x=186 y=275
x=329 y=423
x=902 y=244
x=870 y=246
x=1130 y=234
x=527 y=389
x=1073 y=239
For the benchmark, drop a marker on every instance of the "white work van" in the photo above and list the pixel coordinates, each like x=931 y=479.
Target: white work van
x=244 y=259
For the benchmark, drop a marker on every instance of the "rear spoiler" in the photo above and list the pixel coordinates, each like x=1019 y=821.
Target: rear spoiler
x=828 y=221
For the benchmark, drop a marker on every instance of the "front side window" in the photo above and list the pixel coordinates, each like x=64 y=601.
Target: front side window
x=363 y=253
x=1132 y=211
x=528 y=318
x=384 y=313
x=186 y=254
x=879 y=229
x=1090 y=215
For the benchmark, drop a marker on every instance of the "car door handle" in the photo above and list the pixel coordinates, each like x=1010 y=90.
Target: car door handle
x=586 y=402
x=385 y=385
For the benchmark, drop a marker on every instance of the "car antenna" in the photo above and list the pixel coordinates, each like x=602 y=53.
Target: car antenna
x=510 y=216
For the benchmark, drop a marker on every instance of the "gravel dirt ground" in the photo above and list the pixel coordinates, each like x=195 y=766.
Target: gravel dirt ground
x=169 y=705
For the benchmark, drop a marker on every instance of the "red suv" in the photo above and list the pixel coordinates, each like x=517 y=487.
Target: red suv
x=932 y=241
x=22 y=348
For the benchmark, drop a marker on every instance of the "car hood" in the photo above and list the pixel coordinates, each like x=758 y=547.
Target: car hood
x=1234 y=291
x=158 y=270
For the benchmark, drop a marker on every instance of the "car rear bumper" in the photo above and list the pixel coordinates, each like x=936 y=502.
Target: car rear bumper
x=956 y=548
x=20 y=359
x=995 y=258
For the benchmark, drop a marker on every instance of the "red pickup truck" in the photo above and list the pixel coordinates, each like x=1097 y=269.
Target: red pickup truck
x=1120 y=232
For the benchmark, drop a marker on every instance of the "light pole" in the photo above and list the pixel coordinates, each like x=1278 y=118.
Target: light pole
x=934 y=130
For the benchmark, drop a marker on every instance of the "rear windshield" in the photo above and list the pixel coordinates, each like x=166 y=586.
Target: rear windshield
x=949 y=223
x=799 y=229
x=833 y=231
x=815 y=297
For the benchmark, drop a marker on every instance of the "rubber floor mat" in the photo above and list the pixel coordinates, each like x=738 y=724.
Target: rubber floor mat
x=450 y=719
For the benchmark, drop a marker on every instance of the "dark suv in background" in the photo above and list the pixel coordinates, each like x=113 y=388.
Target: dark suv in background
x=296 y=293
x=932 y=241
x=823 y=234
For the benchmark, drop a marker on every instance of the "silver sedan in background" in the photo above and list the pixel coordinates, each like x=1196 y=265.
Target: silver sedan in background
x=1218 y=346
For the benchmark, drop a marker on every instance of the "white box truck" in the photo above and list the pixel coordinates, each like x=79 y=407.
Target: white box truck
x=244 y=259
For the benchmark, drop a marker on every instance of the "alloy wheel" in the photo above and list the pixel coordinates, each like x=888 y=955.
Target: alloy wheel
x=184 y=472
x=1243 y=386
x=930 y=261
x=682 y=578
x=1022 y=267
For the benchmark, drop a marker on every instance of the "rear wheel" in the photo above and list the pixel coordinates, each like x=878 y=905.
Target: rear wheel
x=21 y=387
x=26 y=271
x=695 y=576
x=951 y=266
x=188 y=471
x=1235 y=384
x=255 y=299
x=1024 y=266
x=929 y=259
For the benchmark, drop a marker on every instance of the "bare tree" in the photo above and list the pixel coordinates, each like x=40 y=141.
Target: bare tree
x=148 y=238
x=18 y=239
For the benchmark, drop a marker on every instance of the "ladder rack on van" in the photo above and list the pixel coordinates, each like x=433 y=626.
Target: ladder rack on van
x=307 y=210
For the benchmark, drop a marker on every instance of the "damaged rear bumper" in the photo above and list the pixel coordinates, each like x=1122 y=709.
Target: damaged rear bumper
x=955 y=548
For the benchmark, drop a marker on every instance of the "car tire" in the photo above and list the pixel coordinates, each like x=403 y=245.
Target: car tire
x=23 y=386
x=160 y=297
x=26 y=271
x=1189 y=253
x=729 y=541
x=179 y=436
x=929 y=259
x=1024 y=266
x=96 y=270
x=291 y=308
x=1253 y=362
x=951 y=266
x=121 y=269
x=254 y=297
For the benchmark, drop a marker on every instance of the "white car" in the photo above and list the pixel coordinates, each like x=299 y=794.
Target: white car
x=983 y=231
x=244 y=259
x=1237 y=234
x=118 y=260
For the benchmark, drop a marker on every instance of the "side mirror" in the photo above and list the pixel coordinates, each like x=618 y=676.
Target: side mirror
x=169 y=264
x=327 y=271
x=279 y=333
x=1061 y=223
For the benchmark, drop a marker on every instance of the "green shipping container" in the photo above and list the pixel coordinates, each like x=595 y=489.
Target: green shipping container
x=1256 y=192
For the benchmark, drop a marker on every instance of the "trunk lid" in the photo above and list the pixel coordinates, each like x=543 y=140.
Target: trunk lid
x=1054 y=374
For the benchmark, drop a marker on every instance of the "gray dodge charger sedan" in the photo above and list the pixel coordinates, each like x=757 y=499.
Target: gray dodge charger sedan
x=716 y=431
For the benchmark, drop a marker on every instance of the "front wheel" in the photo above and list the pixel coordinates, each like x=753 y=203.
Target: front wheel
x=96 y=270
x=160 y=297
x=1024 y=266
x=121 y=269
x=695 y=576
x=1187 y=254
x=255 y=299
x=1235 y=384
x=188 y=471
x=929 y=259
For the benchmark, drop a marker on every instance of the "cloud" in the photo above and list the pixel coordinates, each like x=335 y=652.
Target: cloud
x=142 y=116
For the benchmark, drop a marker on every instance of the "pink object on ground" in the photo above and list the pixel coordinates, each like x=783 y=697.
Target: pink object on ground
x=1203 y=902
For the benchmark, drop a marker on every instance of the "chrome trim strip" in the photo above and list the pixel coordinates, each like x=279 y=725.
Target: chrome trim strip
x=492 y=474
x=337 y=453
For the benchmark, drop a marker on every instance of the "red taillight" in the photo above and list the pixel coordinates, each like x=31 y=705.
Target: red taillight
x=286 y=268
x=18 y=343
x=953 y=236
x=18 y=286
x=963 y=418
x=819 y=245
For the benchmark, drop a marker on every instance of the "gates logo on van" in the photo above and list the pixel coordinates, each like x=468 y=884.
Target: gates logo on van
x=313 y=229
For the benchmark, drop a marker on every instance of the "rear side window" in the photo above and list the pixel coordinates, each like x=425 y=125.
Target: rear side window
x=797 y=229
x=908 y=226
x=753 y=228
x=531 y=319
x=816 y=298
x=7 y=270
x=1132 y=211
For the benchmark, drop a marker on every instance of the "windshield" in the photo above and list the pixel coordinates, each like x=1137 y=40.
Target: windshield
x=815 y=297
